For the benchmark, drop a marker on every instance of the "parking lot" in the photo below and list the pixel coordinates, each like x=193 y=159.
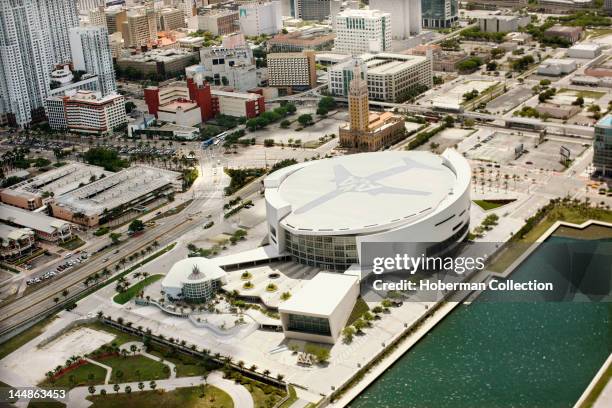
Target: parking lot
x=506 y=102
x=71 y=261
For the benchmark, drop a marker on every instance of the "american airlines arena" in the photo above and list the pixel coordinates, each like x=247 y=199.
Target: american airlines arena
x=321 y=212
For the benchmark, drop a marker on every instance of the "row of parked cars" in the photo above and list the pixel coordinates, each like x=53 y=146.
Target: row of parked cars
x=60 y=268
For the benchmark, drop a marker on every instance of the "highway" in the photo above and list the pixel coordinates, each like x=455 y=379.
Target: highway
x=206 y=201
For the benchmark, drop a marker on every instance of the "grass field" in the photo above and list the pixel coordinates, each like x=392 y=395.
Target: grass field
x=261 y=399
x=135 y=368
x=191 y=397
x=74 y=243
x=292 y=398
x=120 y=337
x=360 y=308
x=135 y=289
x=584 y=94
x=172 y=211
x=186 y=366
x=22 y=338
x=491 y=204
x=78 y=377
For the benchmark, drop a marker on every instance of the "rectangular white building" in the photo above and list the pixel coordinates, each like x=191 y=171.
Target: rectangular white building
x=389 y=76
x=91 y=52
x=584 y=51
x=320 y=310
x=557 y=67
x=405 y=16
x=361 y=31
x=260 y=18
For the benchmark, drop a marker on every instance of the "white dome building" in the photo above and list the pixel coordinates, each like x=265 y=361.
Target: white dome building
x=194 y=280
x=321 y=212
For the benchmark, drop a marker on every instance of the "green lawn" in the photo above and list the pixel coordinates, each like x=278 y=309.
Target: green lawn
x=172 y=211
x=148 y=369
x=135 y=289
x=359 y=309
x=261 y=399
x=186 y=366
x=78 y=377
x=584 y=94
x=22 y=338
x=292 y=398
x=491 y=204
x=190 y=397
x=73 y=243
x=569 y=214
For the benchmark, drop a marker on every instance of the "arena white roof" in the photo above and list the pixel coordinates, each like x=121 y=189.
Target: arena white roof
x=182 y=272
x=321 y=295
x=365 y=192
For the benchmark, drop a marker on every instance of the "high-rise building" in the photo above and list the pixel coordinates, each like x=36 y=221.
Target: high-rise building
x=405 y=16
x=84 y=6
x=260 y=18
x=91 y=52
x=140 y=28
x=361 y=31
x=115 y=17
x=292 y=70
x=439 y=13
x=170 y=19
x=27 y=56
x=58 y=17
x=97 y=17
x=359 y=104
x=311 y=9
x=602 y=146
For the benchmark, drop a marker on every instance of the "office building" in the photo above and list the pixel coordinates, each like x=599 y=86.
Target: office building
x=219 y=21
x=311 y=10
x=115 y=19
x=15 y=241
x=439 y=13
x=571 y=34
x=260 y=18
x=170 y=19
x=195 y=280
x=97 y=17
x=87 y=112
x=360 y=31
x=406 y=18
x=320 y=214
x=84 y=6
x=44 y=227
x=227 y=66
x=390 y=77
x=556 y=66
x=602 y=146
x=91 y=53
x=502 y=24
x=584 y=51
x=292 y=70
x=321 y=321
x=317 y=38
x=367 y=131
x=161 y=62
x=140 y=27
x=238 y=104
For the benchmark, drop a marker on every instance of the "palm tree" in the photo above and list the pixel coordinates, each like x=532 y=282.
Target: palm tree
x=152 y=384
x=116 y=388
x=266 y=372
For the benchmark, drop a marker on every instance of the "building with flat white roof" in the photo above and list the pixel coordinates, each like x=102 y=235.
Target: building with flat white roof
x=229 y=66
x=321 y=212
x=390 y=77
x=359 y=31
x=584 y=50
x=556 y=66
x=45 y=227
x=129 y=189
x=502 y=24
x=319 y=311
x=194 y=280
x=238 y=104
x=38 y=191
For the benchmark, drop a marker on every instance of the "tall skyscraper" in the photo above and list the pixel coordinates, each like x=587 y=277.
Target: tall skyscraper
x=311 y=9
x=26 y=61
x=359 y=104
x=405 y=16
x=91 y=52
x=439 y=13
x=360 y=31
x=58 y=17
x=602 y=146
x=140 y=27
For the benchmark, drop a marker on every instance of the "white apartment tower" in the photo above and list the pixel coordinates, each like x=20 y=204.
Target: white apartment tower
x=91 y=52
x=58 y=17
x=260 y=18
x=405 y=16
x=361 y=31
x=26 y=60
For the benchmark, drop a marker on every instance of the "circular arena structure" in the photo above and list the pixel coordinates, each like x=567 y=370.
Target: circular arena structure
x=322 y=212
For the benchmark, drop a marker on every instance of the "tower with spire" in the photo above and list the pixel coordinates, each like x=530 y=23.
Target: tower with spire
x=359 y=104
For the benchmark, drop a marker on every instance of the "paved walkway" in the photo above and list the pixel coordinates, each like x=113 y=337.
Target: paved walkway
x=109 y=370
x=77 y=397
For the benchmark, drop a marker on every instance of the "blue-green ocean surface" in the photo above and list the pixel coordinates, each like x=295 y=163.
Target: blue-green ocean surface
x=500 y=354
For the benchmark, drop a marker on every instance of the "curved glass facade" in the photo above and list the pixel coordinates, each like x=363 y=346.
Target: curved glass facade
x=331 y=252
x=200 y=291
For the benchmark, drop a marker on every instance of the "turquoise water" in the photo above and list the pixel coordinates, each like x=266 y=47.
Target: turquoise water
x=492 y=354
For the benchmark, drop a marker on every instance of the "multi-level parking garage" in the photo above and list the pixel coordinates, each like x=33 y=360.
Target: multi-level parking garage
x=321 y=212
